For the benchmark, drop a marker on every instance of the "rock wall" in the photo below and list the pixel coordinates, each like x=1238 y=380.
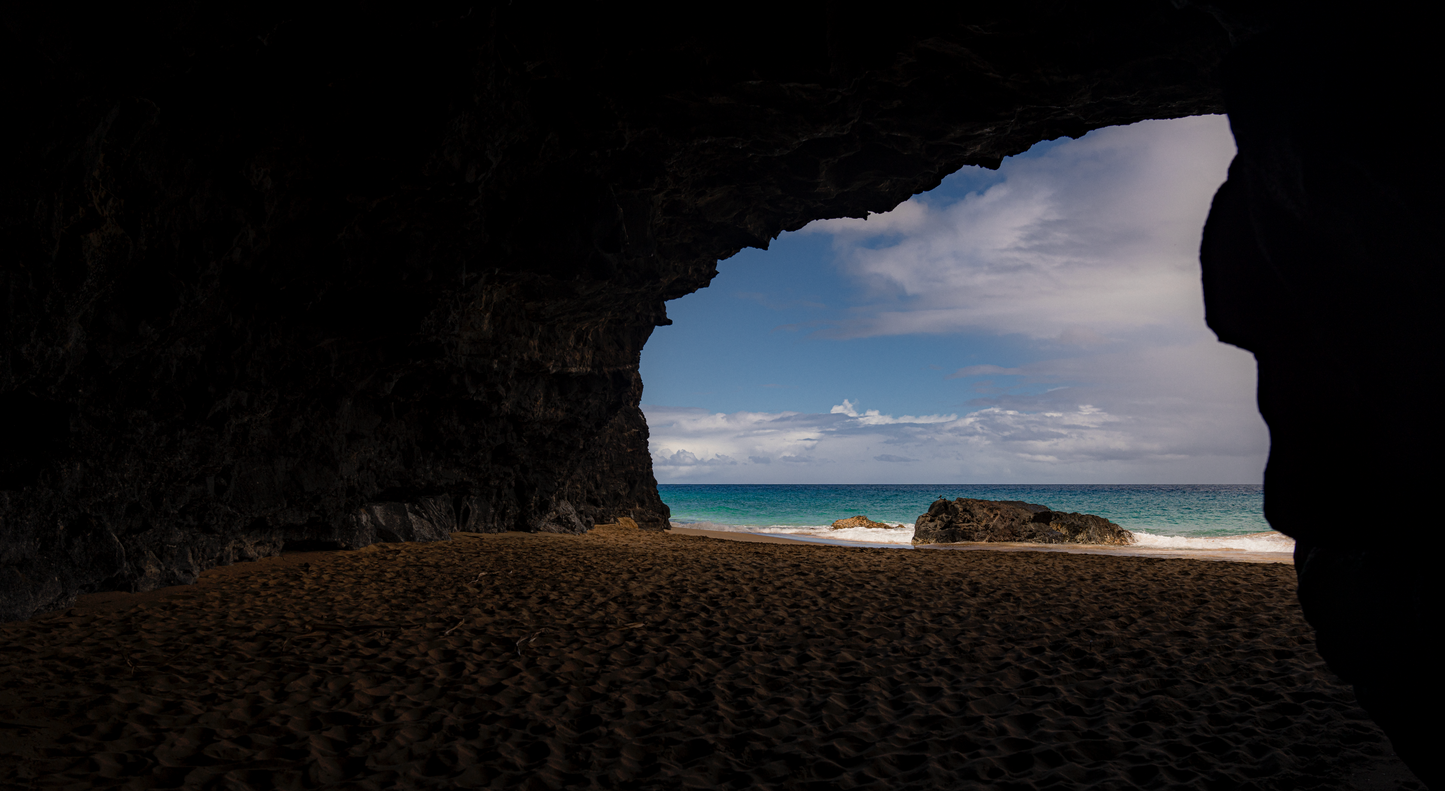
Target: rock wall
x=1315 y=258
x=278 y=277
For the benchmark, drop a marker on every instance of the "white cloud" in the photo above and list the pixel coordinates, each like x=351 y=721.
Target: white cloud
x=666 y=457
x=1164 y=415
x=873 y=418
x=1094 y=238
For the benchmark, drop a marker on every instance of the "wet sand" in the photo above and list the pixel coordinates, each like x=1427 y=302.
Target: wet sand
x=621 y=659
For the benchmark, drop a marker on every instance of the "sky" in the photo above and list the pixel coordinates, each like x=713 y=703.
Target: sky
x=1041 y=323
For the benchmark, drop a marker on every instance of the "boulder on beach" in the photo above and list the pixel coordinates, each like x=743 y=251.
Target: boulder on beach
x=967 y=519
x=862 y=521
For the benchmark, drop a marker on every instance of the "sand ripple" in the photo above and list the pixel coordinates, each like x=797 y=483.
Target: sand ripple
x=624 y=660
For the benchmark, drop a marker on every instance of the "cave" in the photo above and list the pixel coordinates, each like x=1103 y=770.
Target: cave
x=280 y=278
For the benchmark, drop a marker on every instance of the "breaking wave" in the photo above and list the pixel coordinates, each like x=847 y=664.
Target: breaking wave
x=1250 y=542
x=865 y=535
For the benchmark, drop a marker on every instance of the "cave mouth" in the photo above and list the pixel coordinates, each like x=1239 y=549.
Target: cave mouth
x=1046 y=318
x=268 y=266
x=291 y=278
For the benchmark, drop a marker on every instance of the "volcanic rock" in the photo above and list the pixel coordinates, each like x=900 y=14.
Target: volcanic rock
x=967 y=519
x=862 y=521
x=425 y=519
x=273 y=277
x=1032 y=508
x=1310 y=271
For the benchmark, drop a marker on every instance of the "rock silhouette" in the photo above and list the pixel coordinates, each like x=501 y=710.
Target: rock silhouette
x=861 y=521
x=968 y=519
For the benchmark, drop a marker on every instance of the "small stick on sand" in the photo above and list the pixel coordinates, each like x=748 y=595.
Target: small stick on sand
x=173 y=657
x=454 y=628
x=297 y=637
x=526 y=640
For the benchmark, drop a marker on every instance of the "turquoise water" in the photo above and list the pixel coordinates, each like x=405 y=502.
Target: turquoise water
x=1166 y=516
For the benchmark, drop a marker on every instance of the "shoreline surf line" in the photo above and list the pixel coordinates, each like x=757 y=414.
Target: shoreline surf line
x=782 y=538
x=1227 y=555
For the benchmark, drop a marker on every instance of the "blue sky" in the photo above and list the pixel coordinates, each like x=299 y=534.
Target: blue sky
x=1042 y=323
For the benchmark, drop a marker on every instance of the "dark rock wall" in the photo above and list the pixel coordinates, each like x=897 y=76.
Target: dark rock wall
x=273 y=276
x=1316 y=258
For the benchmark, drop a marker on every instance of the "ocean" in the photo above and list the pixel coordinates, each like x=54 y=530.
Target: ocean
x=1173 y=517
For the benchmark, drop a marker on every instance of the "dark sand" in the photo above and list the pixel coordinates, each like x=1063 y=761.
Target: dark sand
x=628 y=660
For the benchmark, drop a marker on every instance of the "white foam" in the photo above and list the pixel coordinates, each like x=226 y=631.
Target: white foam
x=1251 y=542
x=1269 y=541
x=871 y=535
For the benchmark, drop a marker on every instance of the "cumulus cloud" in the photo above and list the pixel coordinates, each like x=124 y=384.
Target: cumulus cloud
x=666 y=457
x=872 y=417
x=1094 y=238
x=1166 y=415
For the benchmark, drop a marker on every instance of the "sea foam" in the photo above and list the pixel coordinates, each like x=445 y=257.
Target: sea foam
x=1269 y=541
x=1250 y=542
x=900 y=536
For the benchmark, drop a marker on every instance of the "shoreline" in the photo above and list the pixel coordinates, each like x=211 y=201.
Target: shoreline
x=1228 y=555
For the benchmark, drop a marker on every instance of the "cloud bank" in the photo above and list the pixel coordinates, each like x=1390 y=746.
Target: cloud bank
x=1095 y=238
x=1167 y=415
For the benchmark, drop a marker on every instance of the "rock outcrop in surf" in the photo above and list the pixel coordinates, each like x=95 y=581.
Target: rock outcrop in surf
x=967 y=519
x=862 y=521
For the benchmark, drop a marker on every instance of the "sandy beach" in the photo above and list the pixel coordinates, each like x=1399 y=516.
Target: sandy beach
x=622 y=659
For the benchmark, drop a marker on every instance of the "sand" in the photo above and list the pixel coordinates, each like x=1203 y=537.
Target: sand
x=621 y=659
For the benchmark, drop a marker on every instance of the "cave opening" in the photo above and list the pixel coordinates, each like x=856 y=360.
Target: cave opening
x=1041 y=323
x=267 y=271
